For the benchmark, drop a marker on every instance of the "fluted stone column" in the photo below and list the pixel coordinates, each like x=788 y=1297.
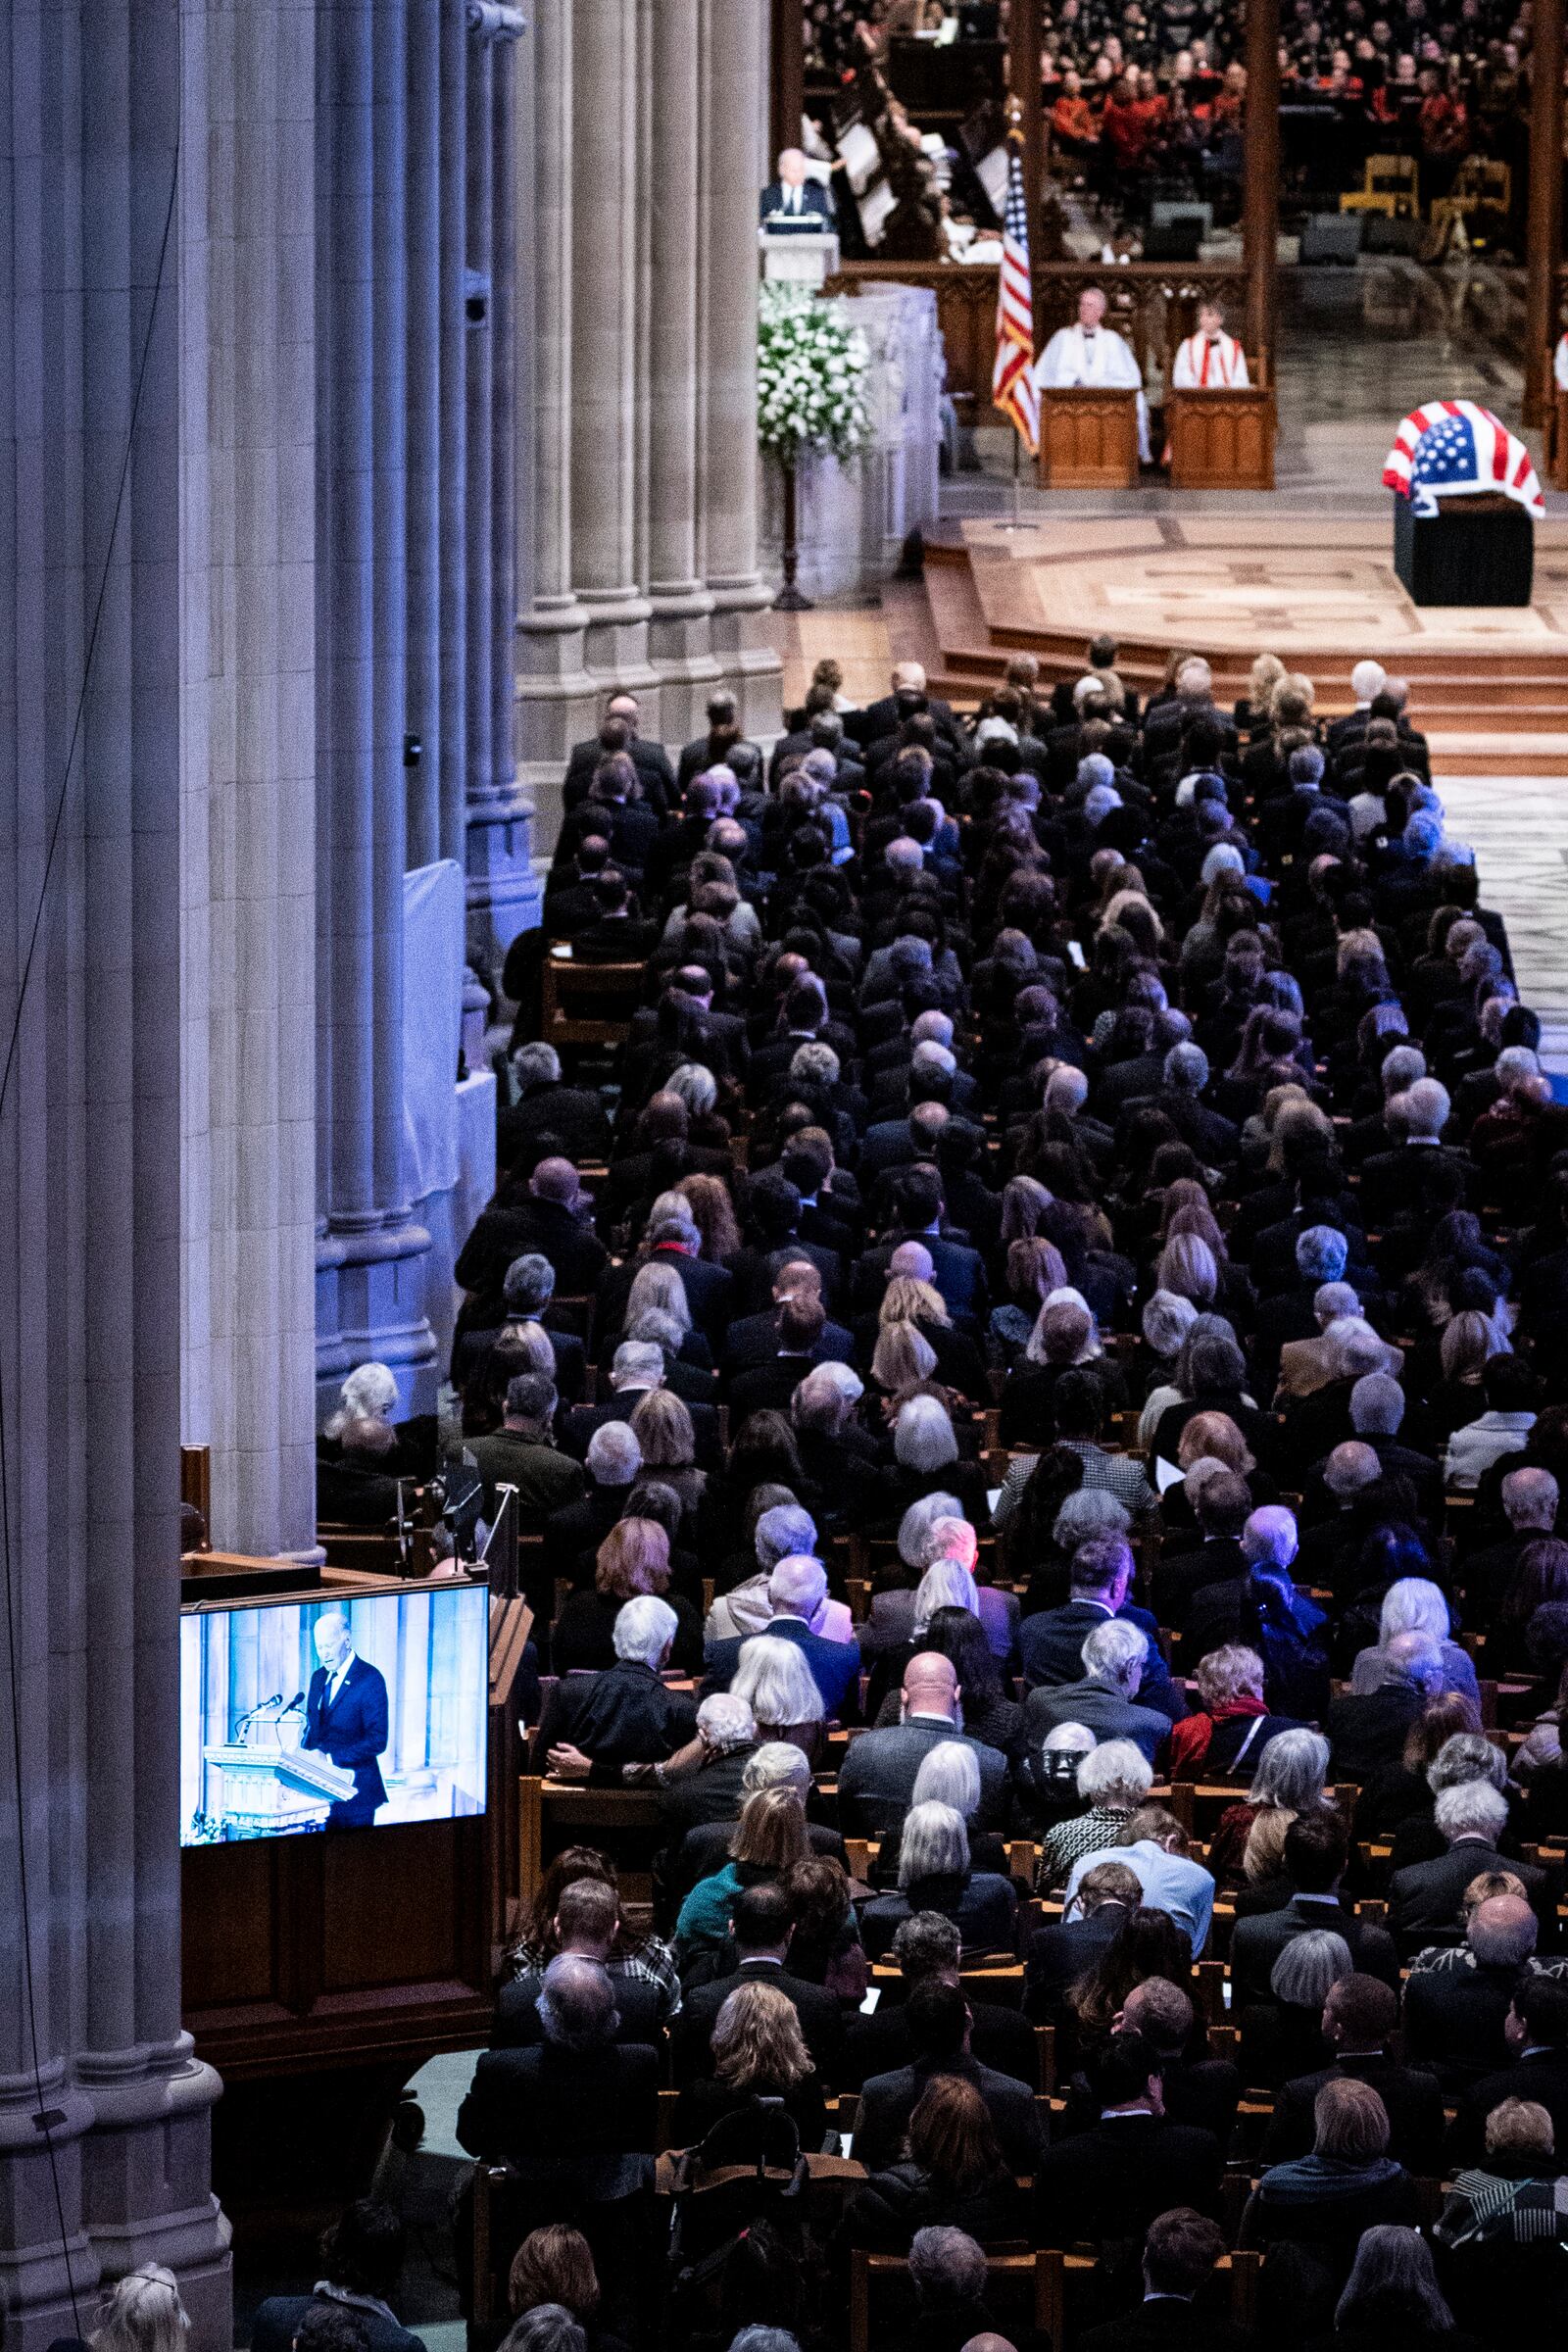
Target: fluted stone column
x=556 y=696
x=734 y=41
x=502 y=897
x=603 y=162
x=367 y=1292
x=678 y=635
x=104 y=2113
x=248 y=1041
x=454 y=609
x=422 y=770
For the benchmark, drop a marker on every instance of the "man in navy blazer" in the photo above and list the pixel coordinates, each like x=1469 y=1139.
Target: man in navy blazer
x=1051 y=1644
x=796 y=1591
x=792 y=201
x=346 y=1718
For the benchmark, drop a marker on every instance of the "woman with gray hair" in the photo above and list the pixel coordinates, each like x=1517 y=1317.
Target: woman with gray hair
x=949 y=1775
x=1291 y=1770
x=926 y=1458
x=778 y=1686
x=1282 y=2038
x=1167 y=1321
x=936 y=1873
x=1114 y=1779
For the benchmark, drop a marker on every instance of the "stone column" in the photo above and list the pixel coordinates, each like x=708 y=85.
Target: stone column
x=734 y=36
x=503 y=896
x=368 y=1302
x=603 y=162
x=678 y=632
x=104 y=2113
x=556 y=697
x=251 y=995
x=422 y=770
x=454 y=85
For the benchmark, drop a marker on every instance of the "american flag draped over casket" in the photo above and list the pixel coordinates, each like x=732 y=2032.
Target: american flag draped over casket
x=1455 y=448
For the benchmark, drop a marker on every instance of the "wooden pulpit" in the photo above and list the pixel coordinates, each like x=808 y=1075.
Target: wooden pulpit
x=1557 y=439
x=1088 y=439
x=1221 y=439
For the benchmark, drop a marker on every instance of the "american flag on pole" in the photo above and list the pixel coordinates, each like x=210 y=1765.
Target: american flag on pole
x=1453 y=449
x=1013 y=378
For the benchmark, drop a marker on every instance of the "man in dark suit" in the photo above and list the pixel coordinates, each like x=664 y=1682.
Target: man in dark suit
x=796 y=1591
x=957 y=1271
x=619 y=733
x=346 y=1718
x=769 y=1385
x=927 y=1949
x=755 y=1339
x=571 y=1117
x=1109 y=2183
x=761 y=1924
x=792 y=201
x=1051 y=1643
x=587 y=1918
x=575 y=2098
x=1537 y=2031
x=882 y=720
x=939 y=2031
x=1427 y=1897
x=1456 y=2016
x=1315 y=1854
x=361 y=2263
x=1222 y=1507
x=715 y=1790
x=1366 y=1732
x=637 y=1368
x=547 y=1218
x=1106 y=1700
x=1180 y=2254
x=1359 y=2018
x=593 y=1724
x=1202 y=2091
x=876 y=1779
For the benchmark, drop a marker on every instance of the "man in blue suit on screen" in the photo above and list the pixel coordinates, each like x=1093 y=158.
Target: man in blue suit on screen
x=346 y=1718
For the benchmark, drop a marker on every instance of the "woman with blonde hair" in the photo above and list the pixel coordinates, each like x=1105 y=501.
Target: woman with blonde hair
x=759 y=2053
x=633 y=1559
x=902 y=1365
x=908 y=1299
x=713 y=1216
x=1224 y=1737
x=1252 y=708
x=142 y=2312
x=769 y=1839
x=663 y=1429
x=1187 y=1269
x=658 y=1286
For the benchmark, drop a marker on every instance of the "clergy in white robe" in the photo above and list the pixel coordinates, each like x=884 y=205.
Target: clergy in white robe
x=1560 y=366
x=1212 y=360
x=1093 y=354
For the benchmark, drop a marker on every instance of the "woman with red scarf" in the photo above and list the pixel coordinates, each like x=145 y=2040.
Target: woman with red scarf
x=1224 y=1739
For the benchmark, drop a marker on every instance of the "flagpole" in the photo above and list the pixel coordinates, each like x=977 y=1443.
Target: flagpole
x=1017 y=521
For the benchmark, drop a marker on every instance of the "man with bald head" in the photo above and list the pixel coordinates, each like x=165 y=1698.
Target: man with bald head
x=1458 y=1998
x=551 y=1216
x=876 y=1779
x=909 y=698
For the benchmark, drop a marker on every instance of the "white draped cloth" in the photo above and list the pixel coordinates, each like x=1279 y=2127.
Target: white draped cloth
x=1560 y=366
x=1210 y=363
x=1095 y=358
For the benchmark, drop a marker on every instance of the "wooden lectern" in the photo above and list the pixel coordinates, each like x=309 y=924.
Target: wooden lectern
x=1088 y=439
x=1221 y=439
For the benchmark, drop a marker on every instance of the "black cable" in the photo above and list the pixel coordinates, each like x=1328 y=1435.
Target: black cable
x=44 y=2118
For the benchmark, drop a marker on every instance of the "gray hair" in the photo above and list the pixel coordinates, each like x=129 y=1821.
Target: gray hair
x=776 y=1764
x=1310 y=1967
x=1187 y=1066
x=1349 y=1468
x=657 y=1285
x=947 y=2263
x=1413 y=1604
x=1402 y=1066
x=781 y=1531
x=1118 y=1652
x=1321 y=1253
x=1290 y=1772
x=1466 y=1756
x=1471 y=1809
x=1269 y=1538
x=797 y=1584
x=764 y=2339
x=774 y=1677
x=914 y=1527
x=548 y=2327
x=1392 y=2261
x=815 y=1065
x=638 y=1364
x=1377 y=1405
x=935 y=1844
x=576 y=2003
x=1415 y=1660
x=949 y=1775
x=695 y=1086
x=1115 y=1772
x=922 y=1438
x=1167 y=1318
x=614 y=1456
x=536 y=1063
x=943 y=1586
x=529 y=1283
x=645 y=1627
x=726 y=1722
x=369 y=1394
x=1529 y=1498
x=1086 y=1514
x=1423 y=1109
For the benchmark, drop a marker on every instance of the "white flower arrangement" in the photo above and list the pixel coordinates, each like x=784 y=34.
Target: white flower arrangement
x=812 y=369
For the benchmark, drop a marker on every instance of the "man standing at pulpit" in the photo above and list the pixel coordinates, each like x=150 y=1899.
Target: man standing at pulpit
x=1092 y=355
x=1212 y=360
x=346 y=1718
x=795 y=201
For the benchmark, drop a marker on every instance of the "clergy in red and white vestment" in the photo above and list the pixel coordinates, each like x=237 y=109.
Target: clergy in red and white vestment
x=1212 y=360
x=1090 y=352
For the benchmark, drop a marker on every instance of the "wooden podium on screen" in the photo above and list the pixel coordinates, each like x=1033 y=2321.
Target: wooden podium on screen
x=1088 y=439
x=1221 y=439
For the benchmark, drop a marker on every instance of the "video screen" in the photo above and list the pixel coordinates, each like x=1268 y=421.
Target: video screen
x=332 y=1713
